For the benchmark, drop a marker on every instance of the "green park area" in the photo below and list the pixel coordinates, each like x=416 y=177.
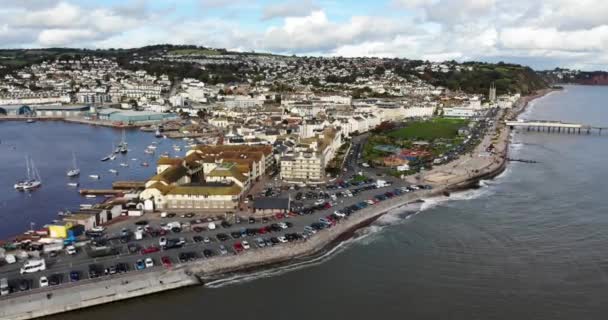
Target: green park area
x=439 y=128
x=430 y=138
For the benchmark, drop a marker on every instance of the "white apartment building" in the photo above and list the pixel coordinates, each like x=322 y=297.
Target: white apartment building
x=307 y=162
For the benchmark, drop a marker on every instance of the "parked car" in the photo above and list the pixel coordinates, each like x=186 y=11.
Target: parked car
x=149 y=263
x=139 y=265
x=150 y=249
x=166 y=261
x=223 y=250
x=246 y=245
x=74 y=276
x=43 y=282
x=238 y=247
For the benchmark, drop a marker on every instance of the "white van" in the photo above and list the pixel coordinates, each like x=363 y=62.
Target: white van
x=32 y=266
x=4 y=290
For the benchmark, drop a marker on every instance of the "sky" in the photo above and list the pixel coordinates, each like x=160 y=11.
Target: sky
x=542 y=34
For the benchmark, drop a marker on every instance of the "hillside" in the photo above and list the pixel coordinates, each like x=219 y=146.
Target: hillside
x=508 y=78
x=564 y=76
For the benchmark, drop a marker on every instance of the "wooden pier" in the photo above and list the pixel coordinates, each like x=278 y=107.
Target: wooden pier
x=555 y=126
x=128 y=185
x=100 y=192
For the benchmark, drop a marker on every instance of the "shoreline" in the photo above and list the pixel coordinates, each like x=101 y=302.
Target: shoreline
x=89 y=293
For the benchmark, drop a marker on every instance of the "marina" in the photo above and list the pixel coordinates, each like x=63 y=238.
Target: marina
x=19 y=209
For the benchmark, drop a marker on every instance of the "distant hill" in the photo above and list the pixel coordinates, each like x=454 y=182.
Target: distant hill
x=564 y=76
x=508 y=78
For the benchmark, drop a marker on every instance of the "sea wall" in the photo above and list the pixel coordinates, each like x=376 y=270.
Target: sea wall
x=88 y=293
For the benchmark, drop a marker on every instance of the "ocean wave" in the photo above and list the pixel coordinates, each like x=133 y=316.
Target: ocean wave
x=248 y=277
x=363 y=236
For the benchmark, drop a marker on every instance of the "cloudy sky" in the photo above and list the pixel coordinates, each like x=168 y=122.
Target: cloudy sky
x=542 y=34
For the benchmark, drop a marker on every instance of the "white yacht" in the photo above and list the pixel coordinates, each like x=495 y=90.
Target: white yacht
x=34 y=182
x=74 y=172
x=94 y=176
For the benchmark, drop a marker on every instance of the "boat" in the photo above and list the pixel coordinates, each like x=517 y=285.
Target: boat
x=158 y=134
x=114 y=171
x=122 y=146
x=74 y=172
x=149 y=151
x=73 y=184
x=145 y=164
x=124 y=164
x=34 y=182
x=133 y=159
x=64 y=213
x=111 y=156
x=94 y=176
x=90 y=196
x=152 y=147
x=20 y=184
x=30 y=120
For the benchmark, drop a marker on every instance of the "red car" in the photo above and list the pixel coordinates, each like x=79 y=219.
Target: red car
x=238 y=247
x=280 y=216
x=327 y=205
x=166 y=262
x=263 y=230
x=150 y=249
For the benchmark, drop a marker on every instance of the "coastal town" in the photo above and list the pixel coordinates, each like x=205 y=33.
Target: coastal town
x=275 y=165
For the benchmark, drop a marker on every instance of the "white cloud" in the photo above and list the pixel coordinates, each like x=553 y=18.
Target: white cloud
x=316 y=33
x=62 y=37
x=289 y=9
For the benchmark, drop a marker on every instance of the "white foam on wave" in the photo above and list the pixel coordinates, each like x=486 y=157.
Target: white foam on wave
x=364 y=236
x=247 y=277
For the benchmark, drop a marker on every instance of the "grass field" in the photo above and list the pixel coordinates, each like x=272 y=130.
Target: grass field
x=429 y=130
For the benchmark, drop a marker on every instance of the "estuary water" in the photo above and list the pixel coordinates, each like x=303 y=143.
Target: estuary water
x=531 y=244
x=51 y=144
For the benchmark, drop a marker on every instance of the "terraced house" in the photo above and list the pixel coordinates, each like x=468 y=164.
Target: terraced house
x=213 y=178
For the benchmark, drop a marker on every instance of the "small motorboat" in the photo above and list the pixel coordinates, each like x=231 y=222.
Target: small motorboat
x=73 y=184
x=94 y=176
x=90 y=196
x=145 y=164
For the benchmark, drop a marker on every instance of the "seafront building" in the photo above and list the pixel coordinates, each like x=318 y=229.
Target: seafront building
x=307 y=161
x=207 y=178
